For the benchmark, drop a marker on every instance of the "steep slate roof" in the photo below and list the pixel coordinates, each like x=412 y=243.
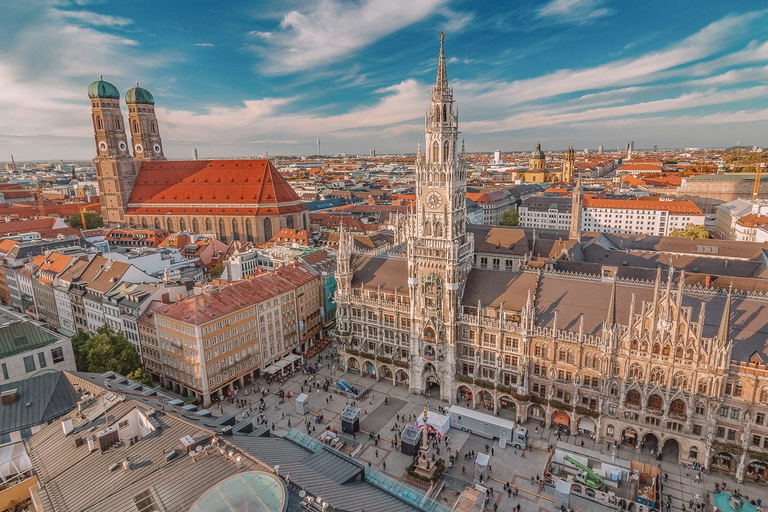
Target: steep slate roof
x=18 y=335
x=499 y=239
x=389 y=273
x=325 y=473
x=227 y=187
x=492 y=288
x=49 y=395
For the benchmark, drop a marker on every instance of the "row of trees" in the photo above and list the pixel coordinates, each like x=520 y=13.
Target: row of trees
x=108 y=351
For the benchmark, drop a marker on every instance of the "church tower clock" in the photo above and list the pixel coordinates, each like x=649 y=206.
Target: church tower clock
x=440 y=251
x=142 y=122
x=115 y=168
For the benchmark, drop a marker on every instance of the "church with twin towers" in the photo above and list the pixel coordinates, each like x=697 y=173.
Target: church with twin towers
x=237 y=200
x=644 y=359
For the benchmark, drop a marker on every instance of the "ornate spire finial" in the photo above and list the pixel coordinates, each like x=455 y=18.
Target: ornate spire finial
x=137 y=84
x=101 y=77
x=442 y=76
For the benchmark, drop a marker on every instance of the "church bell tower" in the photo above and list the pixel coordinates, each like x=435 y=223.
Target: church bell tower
x=145 y=132
x=440 y=251
x=115 y=168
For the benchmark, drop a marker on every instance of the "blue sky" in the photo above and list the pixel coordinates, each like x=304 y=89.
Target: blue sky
x=240 y=78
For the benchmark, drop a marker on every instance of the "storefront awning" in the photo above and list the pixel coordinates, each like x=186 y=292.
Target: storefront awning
x=562 y=419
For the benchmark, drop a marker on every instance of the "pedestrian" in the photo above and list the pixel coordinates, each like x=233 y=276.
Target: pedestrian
x=377 y=454
x=492 y=453
x=490 y=468
x=522 y=455
x=463 y=470
x=666 y=477
x=582 y=443
x=384 y=465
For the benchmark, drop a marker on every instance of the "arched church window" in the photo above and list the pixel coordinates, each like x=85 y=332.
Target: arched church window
x=235 y=230
x=446 y=151
x=99 y=124
x=427 y=229
x=195 y=226
x=157 y=223
x=144 y=223
x=117 y=124
x=267 y=229
x=135 y=127
x=289 y=222
x=169 y=225
x=248 y=230
x=152 y=127
x=182 y=225
x=657 y=376
x=222 y=230
x=445 y=113
x=635 y=372
x=438 y=229
x=679 y=352
x=435 y=151
x=208 y=226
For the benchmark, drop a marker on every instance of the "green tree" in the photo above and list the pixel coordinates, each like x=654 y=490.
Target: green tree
x=107 y=351
x=217 y=269
x=690 y=231
x=510 y=217
x=92 y=220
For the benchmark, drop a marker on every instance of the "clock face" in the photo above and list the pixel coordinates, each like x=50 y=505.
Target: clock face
x=103 y=146
x=138 y=148
x=122 y=146
x=434 y=200
x=156 y=148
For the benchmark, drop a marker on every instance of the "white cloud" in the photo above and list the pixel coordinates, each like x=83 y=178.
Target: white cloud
x=456 y=21
x=92 y=18
x=206 y=45
x=335 y=29
x=574 y=11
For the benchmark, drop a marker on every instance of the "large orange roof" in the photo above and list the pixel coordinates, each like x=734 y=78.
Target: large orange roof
x=632 y=204
x=224 y=187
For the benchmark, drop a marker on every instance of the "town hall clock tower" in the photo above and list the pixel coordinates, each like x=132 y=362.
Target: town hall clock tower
x=440 y=251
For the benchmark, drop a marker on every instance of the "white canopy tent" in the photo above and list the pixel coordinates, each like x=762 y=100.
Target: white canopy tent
x=436 y=422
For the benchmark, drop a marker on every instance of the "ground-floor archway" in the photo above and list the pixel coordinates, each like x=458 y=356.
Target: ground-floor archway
x=486 y=401
x=587 y=425
x=629 y=437
x=353 y=365
x=723 y=461
x=385 y=372
x=369 y=369
x=537 y=412
x=562 y=422
x=464 y=396
x=670 y=451
x=401 y=376
x=432 y=387
x=649 y=442
x=507 y=408
x=757 y=470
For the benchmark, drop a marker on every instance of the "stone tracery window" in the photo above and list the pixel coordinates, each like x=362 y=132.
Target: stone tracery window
x=657 y=376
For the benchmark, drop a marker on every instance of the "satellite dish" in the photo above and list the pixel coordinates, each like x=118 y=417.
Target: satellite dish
x=302 y=494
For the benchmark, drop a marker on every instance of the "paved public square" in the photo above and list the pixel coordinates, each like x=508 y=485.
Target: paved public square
x=378 y=417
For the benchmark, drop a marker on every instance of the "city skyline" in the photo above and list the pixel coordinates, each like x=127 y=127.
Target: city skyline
x=244 y=79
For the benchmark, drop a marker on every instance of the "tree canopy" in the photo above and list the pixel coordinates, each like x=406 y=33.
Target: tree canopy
x=106 y=350
x=92 y=219
x=510 y=217
x=690 y=231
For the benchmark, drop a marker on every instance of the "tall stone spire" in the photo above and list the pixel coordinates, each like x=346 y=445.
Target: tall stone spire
x=441 y=84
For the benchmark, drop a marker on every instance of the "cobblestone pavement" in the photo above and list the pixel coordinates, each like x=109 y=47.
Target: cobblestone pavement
x=507 y=464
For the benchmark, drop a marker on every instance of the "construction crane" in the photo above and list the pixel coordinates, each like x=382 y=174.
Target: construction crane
x=586 y=476
x=756 y=188
x=83 y=209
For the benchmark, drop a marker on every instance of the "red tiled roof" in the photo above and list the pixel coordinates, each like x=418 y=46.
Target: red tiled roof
x=296 y=236
x=42 y=225
x=246 y=187
x=677 y=207
x=200 y=309
x=752 y=220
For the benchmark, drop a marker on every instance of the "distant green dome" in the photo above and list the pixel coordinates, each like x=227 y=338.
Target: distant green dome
x=102 y=89
x=538 y=154
x=139 y=95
